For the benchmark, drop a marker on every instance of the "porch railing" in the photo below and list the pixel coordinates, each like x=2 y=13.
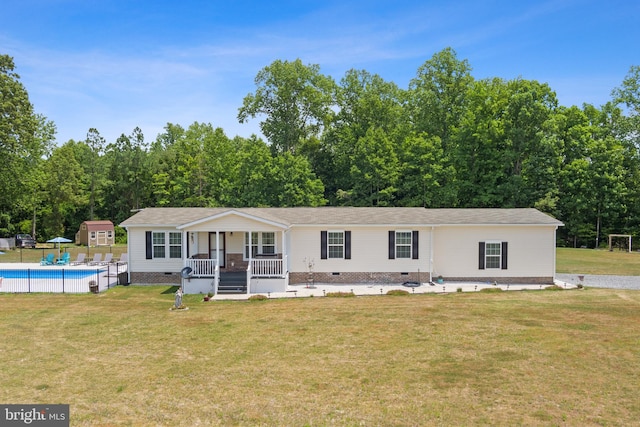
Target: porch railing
x=202 y=267
x=267 y=267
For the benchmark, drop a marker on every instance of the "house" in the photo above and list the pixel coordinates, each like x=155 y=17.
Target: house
x=96 y=233
x=257 y=250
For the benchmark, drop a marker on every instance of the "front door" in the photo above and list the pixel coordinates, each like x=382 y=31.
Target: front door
x=214 y=250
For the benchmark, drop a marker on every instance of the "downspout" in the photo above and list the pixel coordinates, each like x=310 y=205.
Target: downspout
x=553 y=241
x=431 y=254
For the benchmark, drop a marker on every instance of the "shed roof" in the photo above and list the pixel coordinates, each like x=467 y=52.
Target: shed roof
x=99 y=225
x=333 y=216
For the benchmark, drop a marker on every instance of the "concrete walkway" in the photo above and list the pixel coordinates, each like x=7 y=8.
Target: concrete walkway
x=321 y=289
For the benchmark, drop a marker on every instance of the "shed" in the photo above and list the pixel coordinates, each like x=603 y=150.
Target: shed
x=96 y=233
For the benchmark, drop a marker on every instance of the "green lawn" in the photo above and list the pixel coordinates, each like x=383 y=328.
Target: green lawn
x=590 y=261
x=122 y=358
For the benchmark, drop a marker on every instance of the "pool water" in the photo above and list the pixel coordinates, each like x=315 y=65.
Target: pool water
x=48 y=274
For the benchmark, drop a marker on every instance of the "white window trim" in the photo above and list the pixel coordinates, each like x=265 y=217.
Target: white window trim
x=167 y=245
x=258 y=244
x=487 y=256
x=410 y=244
x=329 y=245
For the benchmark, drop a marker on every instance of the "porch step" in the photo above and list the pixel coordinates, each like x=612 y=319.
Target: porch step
x=233 y=283
x=232 y=288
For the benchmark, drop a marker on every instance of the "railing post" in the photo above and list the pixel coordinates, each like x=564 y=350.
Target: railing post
x=249 y=270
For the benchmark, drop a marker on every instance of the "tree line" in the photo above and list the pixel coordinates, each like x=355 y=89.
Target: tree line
x=447 y=140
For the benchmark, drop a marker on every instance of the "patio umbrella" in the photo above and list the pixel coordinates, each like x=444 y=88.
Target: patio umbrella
x=59 y=240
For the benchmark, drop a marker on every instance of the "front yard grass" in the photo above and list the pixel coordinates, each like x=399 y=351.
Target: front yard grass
x=510 y=358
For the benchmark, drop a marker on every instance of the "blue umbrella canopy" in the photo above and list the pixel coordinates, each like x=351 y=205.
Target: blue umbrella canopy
x=59 y=240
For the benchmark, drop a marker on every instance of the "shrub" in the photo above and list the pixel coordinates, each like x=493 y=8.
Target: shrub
x=459 y=290
x=340 y=294
x=490 y=290
x=397 y=292
x=258 y=297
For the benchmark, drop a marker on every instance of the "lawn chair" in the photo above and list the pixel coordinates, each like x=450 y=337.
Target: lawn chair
x=107 y=259
x=65 y=259
x=80 y=259
x=124 y=258
x=97 y=259
x=49 y=260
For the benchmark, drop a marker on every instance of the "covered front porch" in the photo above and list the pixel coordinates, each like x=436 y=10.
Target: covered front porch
x=234 y=260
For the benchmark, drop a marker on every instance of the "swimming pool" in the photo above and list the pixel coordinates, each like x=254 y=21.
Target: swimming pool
x=42 y=273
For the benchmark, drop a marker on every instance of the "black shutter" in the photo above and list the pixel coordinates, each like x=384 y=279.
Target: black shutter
x=323 y=245
x=414 y=244
x=392 y=244
x=149 y=243
x=505 y=246
x=347 y=245
x=481 y=255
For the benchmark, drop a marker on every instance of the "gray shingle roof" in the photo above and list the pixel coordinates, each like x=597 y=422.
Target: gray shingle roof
x=349 y=216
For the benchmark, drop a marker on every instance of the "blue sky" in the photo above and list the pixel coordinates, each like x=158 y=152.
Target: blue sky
x=115 y=65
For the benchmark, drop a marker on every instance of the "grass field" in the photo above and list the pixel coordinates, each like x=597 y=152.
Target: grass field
x=589 y=261
x=122 y=358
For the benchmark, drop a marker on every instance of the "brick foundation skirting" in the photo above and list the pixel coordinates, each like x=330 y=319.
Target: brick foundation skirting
x=504 y=280
x=382 y=277
x=358 y=277
x=155 y=278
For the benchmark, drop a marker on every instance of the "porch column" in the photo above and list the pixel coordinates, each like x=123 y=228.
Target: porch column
x=284 y=253
x=250 y=263
x=185 y=247
x=218 y=248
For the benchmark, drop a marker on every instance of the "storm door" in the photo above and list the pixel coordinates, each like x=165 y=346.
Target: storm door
x=213 y=249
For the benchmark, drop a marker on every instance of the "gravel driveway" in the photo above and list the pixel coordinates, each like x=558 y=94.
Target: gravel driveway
x=597 y=281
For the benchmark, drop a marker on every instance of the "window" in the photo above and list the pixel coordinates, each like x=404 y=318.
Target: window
x=269 y=243
x=158 y=245
x=335 y=244
x=92 y=235
x=403 y=244
x=261 y=243
x=493 y=255
x=175 y=245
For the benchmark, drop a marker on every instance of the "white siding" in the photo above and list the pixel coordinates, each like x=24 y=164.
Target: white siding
x=137 y=253
x=530 y=254
x=234 y=223
x=369 y=251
